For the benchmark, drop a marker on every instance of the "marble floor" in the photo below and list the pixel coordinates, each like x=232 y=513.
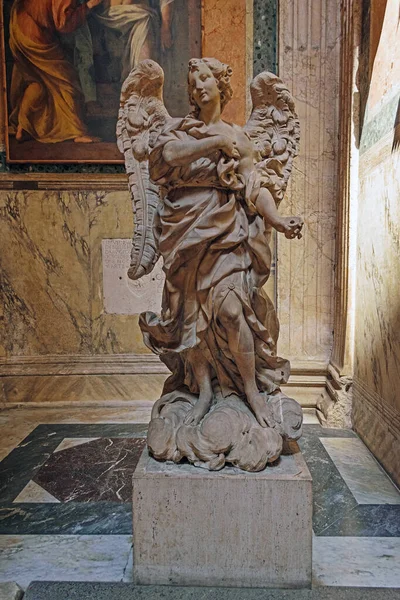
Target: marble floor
x=65 y=489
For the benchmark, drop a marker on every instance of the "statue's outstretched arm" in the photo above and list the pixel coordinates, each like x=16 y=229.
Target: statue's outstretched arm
x=266 y=207
x=274 y=128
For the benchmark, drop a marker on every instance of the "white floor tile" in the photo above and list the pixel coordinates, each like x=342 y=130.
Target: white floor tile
x=25 y=558
x=356 y=562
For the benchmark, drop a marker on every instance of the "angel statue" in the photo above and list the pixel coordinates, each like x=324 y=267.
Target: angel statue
x=205 y=196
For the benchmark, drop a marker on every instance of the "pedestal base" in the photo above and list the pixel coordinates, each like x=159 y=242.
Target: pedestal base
x=223 y=528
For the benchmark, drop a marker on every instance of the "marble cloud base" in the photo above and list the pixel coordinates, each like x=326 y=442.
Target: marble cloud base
x=223 y=528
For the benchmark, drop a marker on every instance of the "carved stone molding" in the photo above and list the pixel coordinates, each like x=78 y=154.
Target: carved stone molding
x=112 y=379
x=124 y=364
x=334 y=408
x=64 y=182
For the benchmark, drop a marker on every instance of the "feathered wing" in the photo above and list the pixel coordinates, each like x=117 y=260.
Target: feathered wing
x=275 y=130
x=142 y=115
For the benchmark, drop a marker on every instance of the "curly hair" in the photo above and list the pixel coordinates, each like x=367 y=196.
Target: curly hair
x=222 y=75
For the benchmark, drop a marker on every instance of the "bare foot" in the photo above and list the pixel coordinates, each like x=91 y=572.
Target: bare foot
x=195 y=414
x=262 y=411
x=21 y=135
x=86 y=139
x=290 y=226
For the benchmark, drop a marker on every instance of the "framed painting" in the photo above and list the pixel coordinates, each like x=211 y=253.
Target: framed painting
x=65 y=62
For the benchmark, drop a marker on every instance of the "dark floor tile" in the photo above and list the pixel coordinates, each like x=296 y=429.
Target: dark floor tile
x=73 y=518
x=23 y=463
x=336 y=511
x=99 y=470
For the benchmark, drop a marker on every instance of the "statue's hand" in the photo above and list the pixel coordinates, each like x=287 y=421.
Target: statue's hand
x=290 y=226
x=228 y=147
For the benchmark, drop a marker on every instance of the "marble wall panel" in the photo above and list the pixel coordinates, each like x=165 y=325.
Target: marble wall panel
x=377 y=344
x=72 y=389
x=377 y=350
x=225 y=36
x=376 y=412
x=45 y=273
x=110 y=217
x=51 y=274
x=309 y=65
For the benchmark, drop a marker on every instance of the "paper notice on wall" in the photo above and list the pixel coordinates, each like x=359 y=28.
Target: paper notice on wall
x=122 y=296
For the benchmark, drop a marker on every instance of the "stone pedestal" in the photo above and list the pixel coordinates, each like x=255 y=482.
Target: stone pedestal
x=224 y=528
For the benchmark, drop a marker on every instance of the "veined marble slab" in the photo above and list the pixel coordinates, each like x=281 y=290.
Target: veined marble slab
x=26 y=558
x=366 y=480
x=356 y=562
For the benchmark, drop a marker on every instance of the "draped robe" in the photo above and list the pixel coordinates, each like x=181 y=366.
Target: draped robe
x=213 y=243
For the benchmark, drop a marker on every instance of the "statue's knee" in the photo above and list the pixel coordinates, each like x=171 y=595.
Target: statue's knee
x=231 y=312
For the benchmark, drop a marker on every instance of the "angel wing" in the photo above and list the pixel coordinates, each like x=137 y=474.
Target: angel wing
x=275 y=130
x=141 y=117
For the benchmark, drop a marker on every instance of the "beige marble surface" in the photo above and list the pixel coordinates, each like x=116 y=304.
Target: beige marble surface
x=110 y=217
x=33 y=493
x=82 y=389
x=45 y=269
x=377 y=342
x=233 y=542
x=225 y=36
x=52 y=296
x=309 y=64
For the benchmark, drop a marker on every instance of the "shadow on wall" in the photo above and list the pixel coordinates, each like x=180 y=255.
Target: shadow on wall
x=373 y=16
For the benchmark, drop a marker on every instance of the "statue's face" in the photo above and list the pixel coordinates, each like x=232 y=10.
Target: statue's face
x=203 y=86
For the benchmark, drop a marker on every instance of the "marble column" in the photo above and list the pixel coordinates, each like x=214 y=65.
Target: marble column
x=309 y=52
x=336 y=407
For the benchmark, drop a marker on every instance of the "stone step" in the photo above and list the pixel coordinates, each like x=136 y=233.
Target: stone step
x=42 y=590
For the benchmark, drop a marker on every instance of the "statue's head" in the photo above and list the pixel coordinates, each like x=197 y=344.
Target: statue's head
x=222 y=75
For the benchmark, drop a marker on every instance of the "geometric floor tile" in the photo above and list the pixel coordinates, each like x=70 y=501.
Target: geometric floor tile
x=65 y=557
x=365 y=478
x=356 y=562
x=75 y=479
x=71 y=442
x=93 y=471
x=33 y=492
